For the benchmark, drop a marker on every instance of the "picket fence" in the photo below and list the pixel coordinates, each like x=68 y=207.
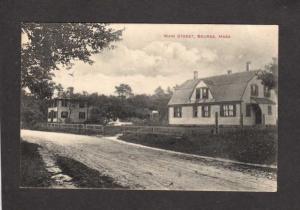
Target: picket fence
x=161 y=130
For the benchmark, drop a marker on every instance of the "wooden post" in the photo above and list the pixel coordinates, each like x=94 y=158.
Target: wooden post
x=217 y=122
x=242 y=120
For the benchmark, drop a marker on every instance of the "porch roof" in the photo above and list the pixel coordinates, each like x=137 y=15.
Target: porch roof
x=262 y=101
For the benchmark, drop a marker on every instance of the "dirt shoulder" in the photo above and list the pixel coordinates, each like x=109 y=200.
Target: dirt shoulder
x=33 y=169
x=40 y=168
x=83 y=176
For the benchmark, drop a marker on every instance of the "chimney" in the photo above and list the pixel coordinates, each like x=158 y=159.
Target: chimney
x=229 y=71
x=248 y=65
x=195 y=75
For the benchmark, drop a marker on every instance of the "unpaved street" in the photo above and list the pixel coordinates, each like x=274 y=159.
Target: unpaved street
x=145 y=168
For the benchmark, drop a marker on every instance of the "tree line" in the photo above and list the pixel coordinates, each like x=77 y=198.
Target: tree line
x=124 y=105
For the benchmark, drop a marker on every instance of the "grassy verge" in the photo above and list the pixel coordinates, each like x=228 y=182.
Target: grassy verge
x=109 y=131
x=253 y=146
x=83 y=176
x=33 y=171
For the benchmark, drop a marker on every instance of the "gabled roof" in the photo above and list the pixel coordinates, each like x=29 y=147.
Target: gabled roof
x=228 y=87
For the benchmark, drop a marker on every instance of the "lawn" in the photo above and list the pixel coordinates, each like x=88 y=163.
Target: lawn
x=252 y=146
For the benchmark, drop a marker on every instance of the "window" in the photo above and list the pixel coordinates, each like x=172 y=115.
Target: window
x=201 y=93
x=64 y=114
x=248 y=110
x=81 y=115
x=195 y=111
x=49 y=114
x=177 y=111
x=228 y=110
x=54 y=114
x=205 y=93
x=81 y=104
x=198 y=93
x=254 y=90
x=64 y=103
x=269 y=110
x=267 y=91
x=206 y=111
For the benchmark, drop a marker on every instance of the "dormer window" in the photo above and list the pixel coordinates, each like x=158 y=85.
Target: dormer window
x=254 y=90
x=204 y=93
x=201 y=93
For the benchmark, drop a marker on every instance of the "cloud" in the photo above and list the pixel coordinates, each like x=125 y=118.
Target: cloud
x=145 y=59
x=156 y=58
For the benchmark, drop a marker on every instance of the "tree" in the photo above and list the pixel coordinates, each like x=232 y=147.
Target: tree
x=70 y=92
x=49 y=46
x=33 y=110
x=59 y=88
x=169 y=91
x=269 y=75
x=123 y=91
x=159 y=92
x=160 y=101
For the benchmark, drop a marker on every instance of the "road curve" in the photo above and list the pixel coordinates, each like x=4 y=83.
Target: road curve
x=145 y=168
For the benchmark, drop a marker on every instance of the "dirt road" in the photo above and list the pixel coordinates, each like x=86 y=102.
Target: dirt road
x=144 y=168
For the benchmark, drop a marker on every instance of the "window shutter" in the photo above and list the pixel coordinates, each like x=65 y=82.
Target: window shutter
x=222 y=110
x=208 y=110
x=234 y=110
x=180 y=111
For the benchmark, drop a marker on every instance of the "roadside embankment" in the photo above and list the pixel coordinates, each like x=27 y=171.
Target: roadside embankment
x=251 y=146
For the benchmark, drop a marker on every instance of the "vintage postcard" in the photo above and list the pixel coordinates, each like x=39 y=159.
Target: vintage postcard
x=149 y=106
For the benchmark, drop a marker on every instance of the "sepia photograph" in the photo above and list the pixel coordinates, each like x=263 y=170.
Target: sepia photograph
x=121 y=106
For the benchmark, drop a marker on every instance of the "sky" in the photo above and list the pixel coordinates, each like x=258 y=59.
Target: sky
x=152 y=55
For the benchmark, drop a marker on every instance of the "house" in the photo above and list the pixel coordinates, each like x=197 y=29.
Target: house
x=67 y=110
x=231 y=99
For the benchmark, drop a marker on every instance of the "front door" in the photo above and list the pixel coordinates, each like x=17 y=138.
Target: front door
x=258 y=115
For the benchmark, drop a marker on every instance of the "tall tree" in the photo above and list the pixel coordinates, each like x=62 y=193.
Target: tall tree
x=159 y=92
x=70 y=92
x=169 y=91
x=124 y=91
x=47 y=46
x=269 y=75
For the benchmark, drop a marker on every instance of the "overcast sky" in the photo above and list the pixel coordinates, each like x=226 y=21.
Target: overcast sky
x=150 y=56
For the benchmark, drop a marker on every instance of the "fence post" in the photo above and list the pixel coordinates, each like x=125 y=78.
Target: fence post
x=217 y=122
x=242 y=120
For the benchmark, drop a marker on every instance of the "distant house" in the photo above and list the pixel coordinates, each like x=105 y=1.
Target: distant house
x=66 y=110
x=231 y=99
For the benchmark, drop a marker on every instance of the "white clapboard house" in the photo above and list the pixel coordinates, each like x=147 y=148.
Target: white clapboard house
x=231 y=99
x=67 y=110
